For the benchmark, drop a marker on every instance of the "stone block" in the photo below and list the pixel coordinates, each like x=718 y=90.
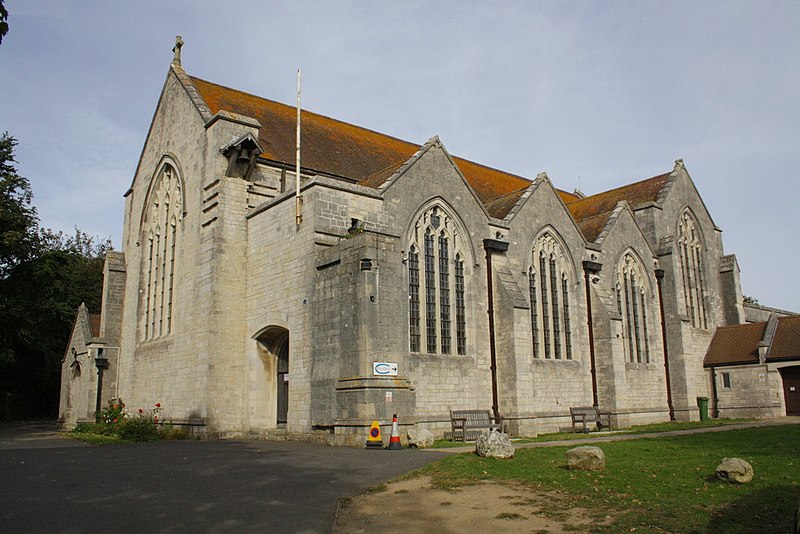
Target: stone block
x=494 y=444
x=735 y=470
x=590 y=458
x=420 y=438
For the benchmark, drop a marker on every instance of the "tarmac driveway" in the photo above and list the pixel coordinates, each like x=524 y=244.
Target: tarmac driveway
x=50 y=484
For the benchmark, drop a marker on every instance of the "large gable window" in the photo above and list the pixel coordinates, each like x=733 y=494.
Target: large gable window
x=163 y=215
x=549 y=283
x=633 y=302
x=436 y=286
x=690 y=251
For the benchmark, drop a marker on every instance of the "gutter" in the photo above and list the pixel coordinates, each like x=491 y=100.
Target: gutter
x=492 y=245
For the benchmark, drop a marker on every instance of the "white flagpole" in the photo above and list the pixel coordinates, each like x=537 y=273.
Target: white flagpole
x=297 y=217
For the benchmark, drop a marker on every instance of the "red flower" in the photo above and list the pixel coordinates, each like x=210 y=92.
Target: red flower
x=155 y=419
x=114 y=421
x=158 y=405
x=141 y=411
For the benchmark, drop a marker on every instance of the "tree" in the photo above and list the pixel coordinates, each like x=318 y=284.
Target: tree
x=3 y=21
x=44 y=277
x=19 y=223
x=40 y=297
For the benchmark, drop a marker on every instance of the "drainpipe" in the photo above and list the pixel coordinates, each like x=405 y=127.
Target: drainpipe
x=101 y=362
x=492 y=245
x=715 y=413
x=591 y=267
x=659 y=278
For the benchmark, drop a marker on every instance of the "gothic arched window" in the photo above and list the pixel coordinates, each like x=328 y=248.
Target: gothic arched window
x=549 y=283
x=163 y=214
x=436 y=285
x=633 y=301
x=690 y=250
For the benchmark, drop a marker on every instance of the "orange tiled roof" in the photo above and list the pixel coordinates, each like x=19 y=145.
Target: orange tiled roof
x=592 y=226
x=735 y=344
x=566 y=198
x=369 y=158
x=592 y=213
x=786 y=343
x=341 y=149
x=502 y=206
x=329 y=146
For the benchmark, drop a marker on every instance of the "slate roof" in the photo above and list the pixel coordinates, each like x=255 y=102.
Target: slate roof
x=735 y=344
x=369 y=158
x=738 y=344
x=786 y=343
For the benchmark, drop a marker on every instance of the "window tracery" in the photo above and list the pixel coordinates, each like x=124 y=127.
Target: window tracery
x=162 y=217
x=633 y=300
x=690 y=251
x=442 y=285
x=549 y=283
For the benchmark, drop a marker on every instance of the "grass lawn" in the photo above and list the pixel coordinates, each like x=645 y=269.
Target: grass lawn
x=637 y=429
x=662 y=484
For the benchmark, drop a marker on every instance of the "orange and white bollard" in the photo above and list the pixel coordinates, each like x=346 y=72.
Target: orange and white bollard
x=394 y=440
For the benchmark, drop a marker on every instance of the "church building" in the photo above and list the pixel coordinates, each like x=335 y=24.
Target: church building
x=390 y=278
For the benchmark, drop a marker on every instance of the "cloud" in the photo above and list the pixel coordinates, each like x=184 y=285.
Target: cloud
x=612 y=92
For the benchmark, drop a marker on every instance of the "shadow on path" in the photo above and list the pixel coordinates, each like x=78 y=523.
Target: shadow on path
x=208 y=486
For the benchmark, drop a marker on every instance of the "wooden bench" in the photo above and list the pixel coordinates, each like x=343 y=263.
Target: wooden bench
x=467 y=425
x=582 y=415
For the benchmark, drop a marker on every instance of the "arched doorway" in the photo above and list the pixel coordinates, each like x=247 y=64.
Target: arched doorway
x=791 y=389
x=273 y=350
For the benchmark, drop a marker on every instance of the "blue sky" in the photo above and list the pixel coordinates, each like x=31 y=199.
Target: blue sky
x=594 y=93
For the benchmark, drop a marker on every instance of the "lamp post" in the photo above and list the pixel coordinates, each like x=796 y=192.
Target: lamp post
x=101 y=362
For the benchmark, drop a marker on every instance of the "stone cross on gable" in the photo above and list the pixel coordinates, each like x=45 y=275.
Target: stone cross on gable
x=177 y=50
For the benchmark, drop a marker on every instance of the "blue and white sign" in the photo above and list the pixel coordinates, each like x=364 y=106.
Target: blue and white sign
x=384 y=368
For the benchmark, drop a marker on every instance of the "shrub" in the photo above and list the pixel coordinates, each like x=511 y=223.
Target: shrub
x=110 y=418
x=142 y=426
x=139 y=428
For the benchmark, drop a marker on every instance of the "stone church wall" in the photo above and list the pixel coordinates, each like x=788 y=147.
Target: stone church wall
x=755 y=391
x=279 y=287
x=687 y=344
x=78 y=375
x=549 y=386
x=335 y=288
x=445 y=381
x=172 y=369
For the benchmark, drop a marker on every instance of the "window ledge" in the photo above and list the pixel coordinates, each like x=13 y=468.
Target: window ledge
x=636 y=366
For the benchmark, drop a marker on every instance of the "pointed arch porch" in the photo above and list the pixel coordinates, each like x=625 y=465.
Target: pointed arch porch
x=268 y=378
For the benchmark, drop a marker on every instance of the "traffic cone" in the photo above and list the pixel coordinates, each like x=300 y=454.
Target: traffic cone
x=394 y=440
x=374 y=439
